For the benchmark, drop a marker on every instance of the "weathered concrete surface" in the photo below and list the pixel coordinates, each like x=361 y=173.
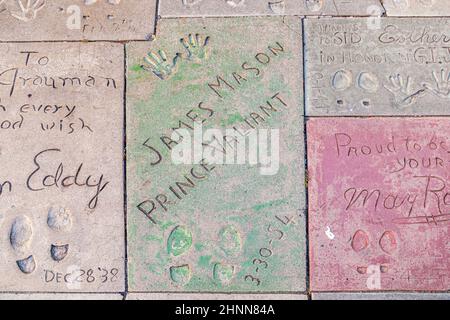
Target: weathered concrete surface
x=58 y=20
x=61 y=177
x=199 y=8
x=225 y=228
x=378 y=204
x=389 y=66
x=215 y=296
x=437 y=8
x=60 y=296
x=379 y=296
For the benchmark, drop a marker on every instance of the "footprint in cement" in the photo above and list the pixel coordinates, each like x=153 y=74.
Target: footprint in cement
x=20 y=237
x=230 y=243
x=178 y=244
x=59 y=220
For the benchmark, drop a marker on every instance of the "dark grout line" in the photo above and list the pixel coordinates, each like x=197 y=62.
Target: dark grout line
x=157 y=17
x=305 y=172
x=76 y=41
x=64 y=292
x=125 y=198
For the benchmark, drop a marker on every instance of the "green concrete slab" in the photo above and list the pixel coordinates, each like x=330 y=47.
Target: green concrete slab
x=209 y=227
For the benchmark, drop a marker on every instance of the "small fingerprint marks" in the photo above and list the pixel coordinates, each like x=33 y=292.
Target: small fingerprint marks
x=360 y=241
x=230 y=240
x=342 y=80
x=59 y=220
x=181 y=275
x=388 y=242
x=223 y=273
x=27 y=265
x=21 y=234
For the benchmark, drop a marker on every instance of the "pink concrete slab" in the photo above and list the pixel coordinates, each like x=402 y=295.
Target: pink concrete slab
x=379 y=199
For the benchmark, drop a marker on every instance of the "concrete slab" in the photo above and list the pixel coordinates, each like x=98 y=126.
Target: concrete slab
x=60 y=20
x=60 y=296
x=202 y=226
x=61 y=178
x=201 y=8
x=215 y=296
x=379 y=296
x=437 y=8
x=378 y=204
x=388 y=66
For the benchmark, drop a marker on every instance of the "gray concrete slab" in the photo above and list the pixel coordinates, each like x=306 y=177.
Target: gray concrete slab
x=61 y=199
x=214 y=8
x=61 y=20
x=387 y=66
x=435 y=8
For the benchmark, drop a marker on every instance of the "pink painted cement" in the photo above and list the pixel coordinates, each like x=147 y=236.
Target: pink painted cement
x=401 y=231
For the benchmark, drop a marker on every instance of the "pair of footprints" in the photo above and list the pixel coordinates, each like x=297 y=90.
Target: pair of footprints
x=180 y=241
x=401 y=87
x=21 y=236
x=387 y=243
x=197 y=50
x=366 y=81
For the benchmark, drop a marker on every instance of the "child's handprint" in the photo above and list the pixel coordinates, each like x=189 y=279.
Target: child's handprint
x=442 y=84
x=197 y=48
x=29 y=11
x=401 y=89
x=159 y=65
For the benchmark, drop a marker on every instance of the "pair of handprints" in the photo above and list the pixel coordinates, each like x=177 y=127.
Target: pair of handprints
x=197 y=50
x=404 y=94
